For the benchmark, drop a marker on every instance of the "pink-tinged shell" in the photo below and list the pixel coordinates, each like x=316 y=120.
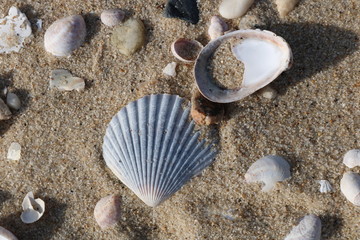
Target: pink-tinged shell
x=217 y=27
x=65 y=35
x=107 y=211
x=186 y=50
x=112 y=17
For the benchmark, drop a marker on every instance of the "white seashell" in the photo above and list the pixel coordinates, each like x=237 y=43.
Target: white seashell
x=13 y=101
x=65 y=35
x=170 y=69
x=269 y=170
x=217 y=27
x=231 y=9
x=350 y=187
x=14 y=28
x=265 y=57
x=33 y=209
x=309 y=228
x=285 y=6
x=186 y=50
x=352 y=158
x=112 y=17
x=6 y=234
x=268 y=92
x=39 y=24
x=14 y=152
x=325 y=186
x=150 y=146
x=107 y=211
x=5 y=113
x=64 y=81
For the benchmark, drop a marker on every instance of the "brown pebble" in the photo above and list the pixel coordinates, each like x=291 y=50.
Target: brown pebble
x=107 y=211
x=205 y=112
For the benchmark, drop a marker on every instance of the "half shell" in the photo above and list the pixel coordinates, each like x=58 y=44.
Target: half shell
x=269 y=170
x=150 y=146
x=186 y=50
x=352 y=158
x=309 y=228
x=350 y=187
x=265 y=57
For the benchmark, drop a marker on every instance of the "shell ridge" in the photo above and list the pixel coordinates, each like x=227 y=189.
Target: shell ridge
x=143 y=117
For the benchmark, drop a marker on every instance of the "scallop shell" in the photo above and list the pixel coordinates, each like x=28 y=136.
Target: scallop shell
x=325 y=186
x=350 y=187
x=352 y=158
x=150 y=146
x=269 y=170
x=309 y=228
x=6 y=234
x=265 y=57
x=186 y=50
x=65 y=35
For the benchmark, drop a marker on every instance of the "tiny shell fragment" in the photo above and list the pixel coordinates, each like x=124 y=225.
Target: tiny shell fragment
x=112 y=17
x=64 y=81
x=33 y=209
x=170 y=69
x=5 y=113
x=205 y=112
x=268 y=92
x=352 y=158
x=13 y=101
x=325 y=186
x=107 y=211
x=6 y=234
x=14 y=28
x=14 y=152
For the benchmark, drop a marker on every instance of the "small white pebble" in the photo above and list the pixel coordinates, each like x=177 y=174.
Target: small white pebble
x=14 y=152
x=268 y=92
x=13 y=101
x=325 y=186
x=170 y=69
x=39 y=24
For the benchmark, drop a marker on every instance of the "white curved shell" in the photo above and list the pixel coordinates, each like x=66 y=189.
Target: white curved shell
x=231 y=9
x=309 y=228
x=150 y=146
x=325 y=186
x=6 y=234
x=65 y=35
x=352 y=158
x=33 y=209
x=350 y=187
x=269 y=170
x=264 y=54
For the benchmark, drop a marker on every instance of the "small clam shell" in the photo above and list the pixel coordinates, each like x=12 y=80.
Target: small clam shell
x=352 y=158
x=186 y=50
x=112 y=17
x=33 y=208
x=231 y=9
x=309 y=228
x=107 y=211
x=5 y=113
x=350 y=187
x=269 y=170
x=325 y=186
x=14 y=152
x=13 y=101
x=65 y=35
x=217 y=27
x=6 y=234
x=285 y=6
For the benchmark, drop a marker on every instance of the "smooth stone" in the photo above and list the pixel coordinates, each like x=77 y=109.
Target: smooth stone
x=186 y=10
x=231 y=9
x=129 y=37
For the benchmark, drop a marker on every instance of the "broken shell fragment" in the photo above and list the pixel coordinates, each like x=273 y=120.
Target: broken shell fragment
x=269 y=170
x=268 y=92
x=352 y=158
x=65 y=35
x=217 y=27
x=325 y=186
x=264 y=55
x=231 y=9
x=33 y=209
x=14 y=28
x=150 y=146
x=6 y=234
x=5 y=112
x=285 y=6
x=112 y=17
x=107 y=211
x=186 y=50
x=14 y=152
x=309 y=228
x=350 y=187
x=64 y=81
x=170 y=69
x=205 y=112
x=13 y=101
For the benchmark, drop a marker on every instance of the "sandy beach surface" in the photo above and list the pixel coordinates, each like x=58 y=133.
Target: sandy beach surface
x=312 y=123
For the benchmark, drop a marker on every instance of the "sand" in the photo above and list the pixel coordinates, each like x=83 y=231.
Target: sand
x=312 y=123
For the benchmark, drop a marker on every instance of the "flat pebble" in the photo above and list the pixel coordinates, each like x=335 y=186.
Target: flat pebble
x=129 y=37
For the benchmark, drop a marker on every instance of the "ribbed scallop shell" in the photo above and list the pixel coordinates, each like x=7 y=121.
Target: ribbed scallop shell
x=309 y=228
x=150 y=146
